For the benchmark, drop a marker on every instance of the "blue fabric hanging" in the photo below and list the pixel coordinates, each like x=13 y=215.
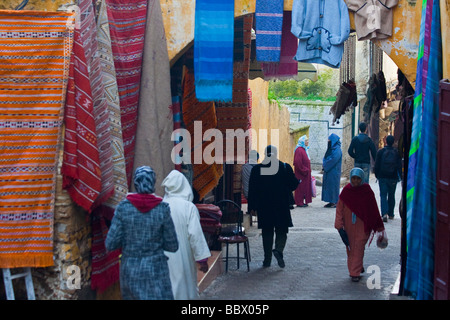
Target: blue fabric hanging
x=213 y=50
x=421 y=204
x=268 y=29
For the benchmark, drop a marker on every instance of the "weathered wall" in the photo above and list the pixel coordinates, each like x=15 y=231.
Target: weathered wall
x=41 y=5
x=268 y=116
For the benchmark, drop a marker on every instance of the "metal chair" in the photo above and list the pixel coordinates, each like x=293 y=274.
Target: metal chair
x=232 y=231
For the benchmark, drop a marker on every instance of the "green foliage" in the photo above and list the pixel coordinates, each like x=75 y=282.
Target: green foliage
x=304 y=90
x=273 y=98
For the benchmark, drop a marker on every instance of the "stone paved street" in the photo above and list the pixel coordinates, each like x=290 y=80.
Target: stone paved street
x=316 y=265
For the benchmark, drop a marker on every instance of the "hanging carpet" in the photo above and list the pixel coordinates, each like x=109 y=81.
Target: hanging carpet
x=80 y=169
x=155 y=125
x=34 y=68
x=205 y=176
x=88 y=30
x=111 y=94
x=287 y=67
x=268 y=28
x=234 y=115
x=422 y=169
x=127 y=22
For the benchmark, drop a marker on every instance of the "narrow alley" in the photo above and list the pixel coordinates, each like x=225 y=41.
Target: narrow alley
x=316 y=264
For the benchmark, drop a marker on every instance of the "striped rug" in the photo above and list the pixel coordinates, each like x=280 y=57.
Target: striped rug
x=268 y=27
x=127 y=22
x=34 y=65
x=206 y=177
x=81 y=165
x=88 y=29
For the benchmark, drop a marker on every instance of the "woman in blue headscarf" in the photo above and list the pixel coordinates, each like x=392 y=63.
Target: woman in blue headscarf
x=332 y=162
x=143 y=228
x=302 y=170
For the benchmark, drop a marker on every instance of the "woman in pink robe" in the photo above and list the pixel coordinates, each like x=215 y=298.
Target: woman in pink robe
x=302 y=170
x=357 y=213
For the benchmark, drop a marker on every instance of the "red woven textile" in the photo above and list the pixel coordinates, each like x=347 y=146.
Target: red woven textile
x=127 y=22
x=81 y=166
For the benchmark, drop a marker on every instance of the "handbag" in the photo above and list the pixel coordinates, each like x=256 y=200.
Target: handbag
x=313 y=187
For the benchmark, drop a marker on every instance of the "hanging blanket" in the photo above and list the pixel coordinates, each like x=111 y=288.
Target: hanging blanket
x=105 y=264
x=155 y=125
x=88 y=29
x=206 y=176
x=234 y=115
x=127 y=28
x=109 y=84
x=421 y=183
x=269 y=22
x=34 y=67
x=81 y=165
x=213 y=49
x=287 y=67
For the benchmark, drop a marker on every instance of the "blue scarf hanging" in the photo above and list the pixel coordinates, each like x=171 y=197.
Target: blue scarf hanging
x=421 y=204
x=213 y=50
x=268 y=28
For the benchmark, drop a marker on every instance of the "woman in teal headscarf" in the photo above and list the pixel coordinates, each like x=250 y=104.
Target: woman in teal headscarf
x=358 y=217
x=143 y=228
x=302 y=170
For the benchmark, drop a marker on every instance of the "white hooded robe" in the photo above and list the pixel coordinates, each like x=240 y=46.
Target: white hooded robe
x=192 y=243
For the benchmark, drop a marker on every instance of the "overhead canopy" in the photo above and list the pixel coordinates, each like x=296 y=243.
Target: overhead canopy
x=305 y=71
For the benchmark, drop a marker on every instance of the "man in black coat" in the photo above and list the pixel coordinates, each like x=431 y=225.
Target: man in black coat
x=360 y=149
x=388 y=171
x=270 y=185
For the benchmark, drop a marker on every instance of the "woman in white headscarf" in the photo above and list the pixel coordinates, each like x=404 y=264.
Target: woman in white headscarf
x=192 y=243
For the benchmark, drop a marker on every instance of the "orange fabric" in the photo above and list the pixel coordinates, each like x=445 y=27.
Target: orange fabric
x=206 y=177
x=34 y=62
x=356 y=235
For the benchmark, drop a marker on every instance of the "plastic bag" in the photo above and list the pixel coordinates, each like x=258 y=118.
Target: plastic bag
x=382 y=239
x=313 y=187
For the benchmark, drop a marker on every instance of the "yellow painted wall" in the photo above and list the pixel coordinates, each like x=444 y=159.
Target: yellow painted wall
x=268 y=116
x=39 y=5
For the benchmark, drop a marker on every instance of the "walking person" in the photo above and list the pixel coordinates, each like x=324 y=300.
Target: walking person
x=357 y=217
x=269 y=197
x=332 y=163
x=388 y=170
x=192 y=243
x=360 y=149
x=302 y=170
x=253 y=157
x=143 y=228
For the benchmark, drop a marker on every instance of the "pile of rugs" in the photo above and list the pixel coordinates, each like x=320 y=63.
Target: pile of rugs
x=210 y=216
